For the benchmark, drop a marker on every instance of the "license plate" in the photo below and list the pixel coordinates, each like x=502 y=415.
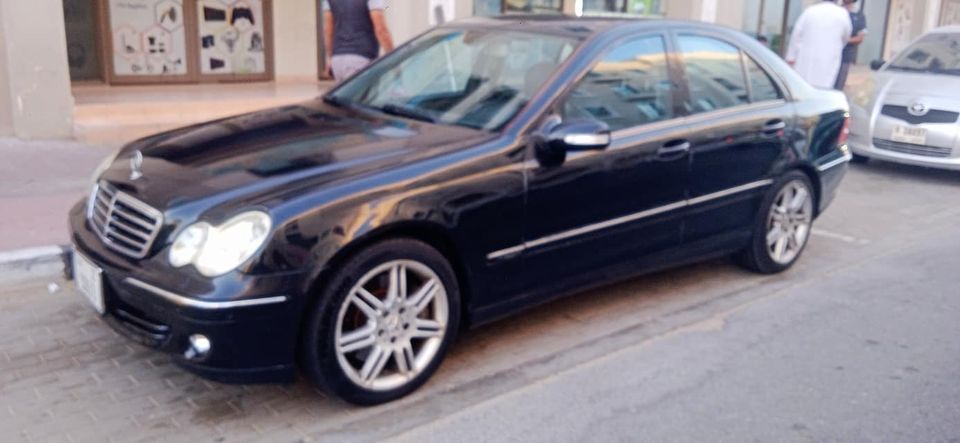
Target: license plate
x=908 y=134
x=89 y=281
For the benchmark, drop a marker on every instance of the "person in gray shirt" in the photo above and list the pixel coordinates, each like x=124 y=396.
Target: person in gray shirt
x=354 y=33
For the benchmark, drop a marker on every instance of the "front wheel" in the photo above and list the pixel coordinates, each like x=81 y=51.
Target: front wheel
x=782 y=227
x=384 y=323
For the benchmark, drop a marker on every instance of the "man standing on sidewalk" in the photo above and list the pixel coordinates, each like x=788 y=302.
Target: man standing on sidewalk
x=859 y=22
x=817 y=43
x=354 y=32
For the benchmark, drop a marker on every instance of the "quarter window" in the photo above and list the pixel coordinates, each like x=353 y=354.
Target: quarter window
x=715 y=74
x=762 y=87
x=630 y=87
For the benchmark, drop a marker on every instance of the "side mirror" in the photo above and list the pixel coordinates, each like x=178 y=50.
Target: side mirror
x=580 y=135
x=576 y=135
x=877 y=64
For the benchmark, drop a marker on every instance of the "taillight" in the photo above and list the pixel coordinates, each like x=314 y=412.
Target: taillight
x=844 y=131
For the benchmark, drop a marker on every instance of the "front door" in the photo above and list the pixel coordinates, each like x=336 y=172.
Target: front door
x=738 y=123
x=605 y=211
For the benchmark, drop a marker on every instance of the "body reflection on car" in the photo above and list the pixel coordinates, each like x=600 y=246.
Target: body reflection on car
x=483 y=168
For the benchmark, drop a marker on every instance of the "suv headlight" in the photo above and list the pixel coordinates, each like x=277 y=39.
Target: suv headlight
x=217 y=250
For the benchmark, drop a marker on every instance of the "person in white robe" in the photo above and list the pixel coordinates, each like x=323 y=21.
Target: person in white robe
x=817 y=42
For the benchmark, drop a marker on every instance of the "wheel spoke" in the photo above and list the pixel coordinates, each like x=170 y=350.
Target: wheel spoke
x=367 y=302
x=404 y=357
x=398 y=284
x=774 y=235
x=801 y=234
x=374 y=365
x=426 y=329
x=780 y=248
x=360 y=339
x=799 y=199
x=424 y=296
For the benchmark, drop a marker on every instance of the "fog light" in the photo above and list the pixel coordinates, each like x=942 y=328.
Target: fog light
x=199 y=347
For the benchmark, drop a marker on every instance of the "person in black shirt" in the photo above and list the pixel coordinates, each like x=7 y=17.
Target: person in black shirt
x=859 y=22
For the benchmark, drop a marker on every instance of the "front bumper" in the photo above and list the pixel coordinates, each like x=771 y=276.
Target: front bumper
x=252 y=322
x=866 y=148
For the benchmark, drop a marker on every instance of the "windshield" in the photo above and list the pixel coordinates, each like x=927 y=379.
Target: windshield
x=474 y=78
x=934 y=54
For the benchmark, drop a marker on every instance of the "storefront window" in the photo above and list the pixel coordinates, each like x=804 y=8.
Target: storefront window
x=639 y=7
x=487 y=7
x=148 y=37
x=83 y=54
x=533 y=6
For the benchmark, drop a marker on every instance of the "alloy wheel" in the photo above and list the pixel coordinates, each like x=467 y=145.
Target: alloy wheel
x=788 y=226
x=391 y=325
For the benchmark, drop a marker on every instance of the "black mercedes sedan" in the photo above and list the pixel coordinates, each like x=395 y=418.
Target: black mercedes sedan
x=487 y=166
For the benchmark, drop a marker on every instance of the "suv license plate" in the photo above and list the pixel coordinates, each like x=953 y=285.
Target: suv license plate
x=911 y=135
x=89 y=281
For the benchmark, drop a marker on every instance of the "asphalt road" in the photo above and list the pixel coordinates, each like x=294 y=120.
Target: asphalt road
x=859 y=342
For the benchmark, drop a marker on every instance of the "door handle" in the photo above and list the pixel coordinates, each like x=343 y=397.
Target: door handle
x=675 y=147
x=774 y=126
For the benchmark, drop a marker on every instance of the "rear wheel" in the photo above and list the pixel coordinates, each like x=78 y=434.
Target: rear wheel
x=782 y=227
x=384 y=324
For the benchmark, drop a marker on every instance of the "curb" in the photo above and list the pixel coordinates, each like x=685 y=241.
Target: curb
x=44 y=261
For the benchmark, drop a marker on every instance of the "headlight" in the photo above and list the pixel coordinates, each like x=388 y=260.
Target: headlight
x=217 y=250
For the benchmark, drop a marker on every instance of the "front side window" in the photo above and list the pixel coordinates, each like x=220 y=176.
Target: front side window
x=629 y=87
x=932 y=54
x=474 y=78
x=715 y=74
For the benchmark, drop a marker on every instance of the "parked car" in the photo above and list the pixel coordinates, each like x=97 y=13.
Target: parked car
x=488 y=166
x=911 y=111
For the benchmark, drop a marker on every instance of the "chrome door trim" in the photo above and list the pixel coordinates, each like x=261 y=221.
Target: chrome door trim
x=200 y=304
x=726 y=192
x=553 y=238
x=846 y=158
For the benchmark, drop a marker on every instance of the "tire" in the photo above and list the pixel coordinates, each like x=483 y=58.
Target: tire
x=859 y=159
x=786 y=226
x=383 y=355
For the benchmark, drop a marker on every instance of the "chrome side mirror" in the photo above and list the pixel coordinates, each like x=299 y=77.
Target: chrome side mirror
x=559 y=138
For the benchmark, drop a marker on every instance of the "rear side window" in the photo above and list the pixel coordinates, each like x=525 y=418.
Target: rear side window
x=762 y=86
x=715 y=74
x=629 y=87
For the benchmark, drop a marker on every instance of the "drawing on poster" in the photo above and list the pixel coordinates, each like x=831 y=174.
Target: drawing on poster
x=148 y=37
x=231 y=37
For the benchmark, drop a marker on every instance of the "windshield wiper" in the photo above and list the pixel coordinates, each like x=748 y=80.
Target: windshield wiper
x=403 y=111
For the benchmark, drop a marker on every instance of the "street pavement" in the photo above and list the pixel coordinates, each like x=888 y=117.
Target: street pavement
x=39 y=182
x=857 y=343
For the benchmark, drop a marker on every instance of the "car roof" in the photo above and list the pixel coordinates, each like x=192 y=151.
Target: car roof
x=564 y=24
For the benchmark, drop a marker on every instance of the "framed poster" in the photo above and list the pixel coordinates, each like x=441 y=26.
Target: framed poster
x=950 y=13
x=148 y=38
x=233 y=38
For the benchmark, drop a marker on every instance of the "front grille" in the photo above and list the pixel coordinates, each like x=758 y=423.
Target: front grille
x=907 y=148
x=124 y=223
x=933 y=116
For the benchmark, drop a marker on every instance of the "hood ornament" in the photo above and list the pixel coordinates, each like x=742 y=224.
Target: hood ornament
x=136 y=165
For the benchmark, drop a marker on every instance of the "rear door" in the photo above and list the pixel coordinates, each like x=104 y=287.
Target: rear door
x=738 y=119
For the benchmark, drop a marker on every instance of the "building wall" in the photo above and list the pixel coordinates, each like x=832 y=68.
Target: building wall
x=35 y=81
x=295 y=39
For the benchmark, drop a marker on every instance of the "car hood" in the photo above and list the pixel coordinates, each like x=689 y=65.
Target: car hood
x=918 y=86
x=304 y=145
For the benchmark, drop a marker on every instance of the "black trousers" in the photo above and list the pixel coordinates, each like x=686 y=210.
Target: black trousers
x=842 y=76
